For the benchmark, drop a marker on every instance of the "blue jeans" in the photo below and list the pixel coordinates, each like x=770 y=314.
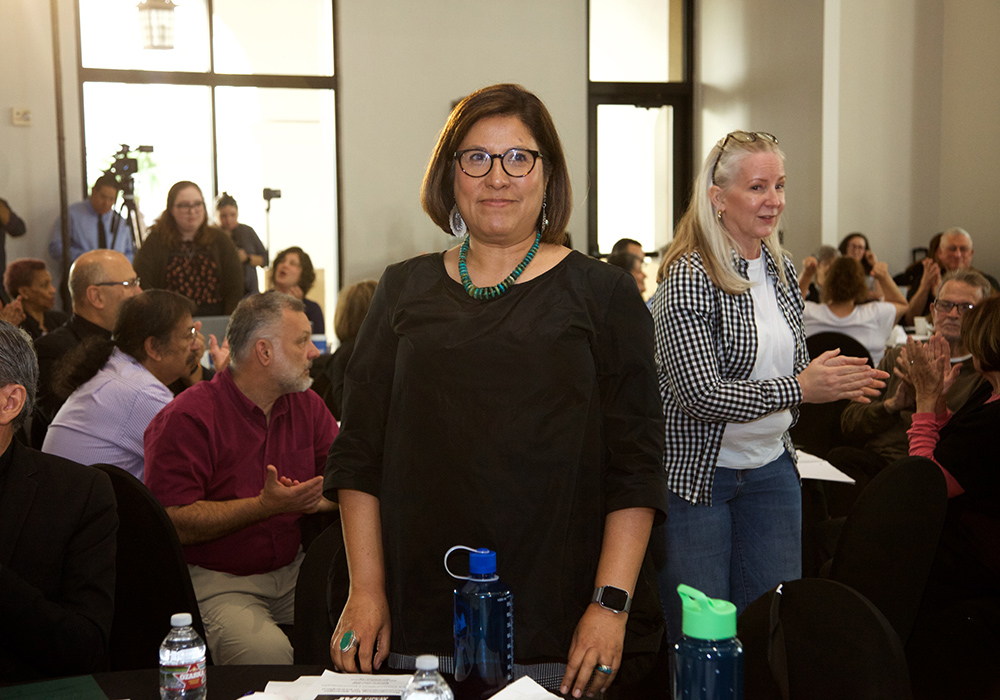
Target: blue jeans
x=747 y=542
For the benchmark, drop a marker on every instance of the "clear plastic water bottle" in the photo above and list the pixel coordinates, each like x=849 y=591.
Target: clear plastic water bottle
x=427 y=683
x=182 y=662
x=484 y=628
x=708 y=661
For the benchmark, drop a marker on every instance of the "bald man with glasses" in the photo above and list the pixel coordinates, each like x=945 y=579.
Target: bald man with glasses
x=99 y=281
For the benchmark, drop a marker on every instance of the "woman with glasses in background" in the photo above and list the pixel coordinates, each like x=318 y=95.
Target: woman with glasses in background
x=502 y=395
x=183 y=254
x=733 y=368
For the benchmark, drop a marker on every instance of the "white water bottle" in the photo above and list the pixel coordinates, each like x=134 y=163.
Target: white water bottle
x=427 y=683
x=182 y=662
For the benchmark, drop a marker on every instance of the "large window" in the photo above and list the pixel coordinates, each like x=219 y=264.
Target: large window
x=244 y=101
x=640 y=120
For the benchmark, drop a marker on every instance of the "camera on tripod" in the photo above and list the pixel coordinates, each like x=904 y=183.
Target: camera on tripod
x=123 y=167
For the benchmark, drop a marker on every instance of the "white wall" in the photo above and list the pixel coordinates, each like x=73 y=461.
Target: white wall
x=402 y=65
x=970 y=140
x=888 y=105
x=29 y=166
x=761 y=69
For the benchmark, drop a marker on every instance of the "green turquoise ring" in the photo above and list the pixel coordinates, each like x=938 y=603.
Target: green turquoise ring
x=348 y=641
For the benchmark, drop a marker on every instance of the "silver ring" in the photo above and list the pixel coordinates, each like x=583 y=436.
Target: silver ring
x=604 y=669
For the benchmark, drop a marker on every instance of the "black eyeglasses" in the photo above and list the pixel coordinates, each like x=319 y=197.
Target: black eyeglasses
x=516 y=162
x=128 y=284
x=742 y=137
x=945 y=307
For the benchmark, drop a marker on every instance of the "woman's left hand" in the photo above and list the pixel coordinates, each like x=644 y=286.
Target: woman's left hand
x=598 y=640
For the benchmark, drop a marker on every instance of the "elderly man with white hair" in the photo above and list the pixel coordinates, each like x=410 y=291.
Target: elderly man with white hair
x=954 y=253
x=236 y=462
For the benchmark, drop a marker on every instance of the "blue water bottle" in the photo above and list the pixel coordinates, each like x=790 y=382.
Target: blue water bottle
x=484 y=627
x=708 y=661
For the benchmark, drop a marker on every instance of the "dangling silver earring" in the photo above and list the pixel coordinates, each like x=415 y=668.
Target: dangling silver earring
x=457 y=223
x=545 y=218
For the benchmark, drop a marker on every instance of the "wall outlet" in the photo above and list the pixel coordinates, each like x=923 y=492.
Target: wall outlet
x=20 y=116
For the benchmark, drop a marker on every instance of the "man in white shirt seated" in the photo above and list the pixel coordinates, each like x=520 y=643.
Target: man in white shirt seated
x=117 y=386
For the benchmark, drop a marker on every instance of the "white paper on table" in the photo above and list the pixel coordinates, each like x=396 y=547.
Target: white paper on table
x=336 y=685
x=812 y=467
x=524 y=689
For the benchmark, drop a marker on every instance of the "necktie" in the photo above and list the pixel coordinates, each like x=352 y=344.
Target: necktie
x=102 y=235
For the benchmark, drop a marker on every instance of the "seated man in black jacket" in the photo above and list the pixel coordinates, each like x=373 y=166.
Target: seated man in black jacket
x=58 y=523
x=99 y=281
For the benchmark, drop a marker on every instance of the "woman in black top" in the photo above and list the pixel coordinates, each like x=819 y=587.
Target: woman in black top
x=502 y=395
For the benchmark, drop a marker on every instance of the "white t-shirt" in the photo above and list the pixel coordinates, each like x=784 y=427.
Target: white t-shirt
x=870 y=324
x=754 y=444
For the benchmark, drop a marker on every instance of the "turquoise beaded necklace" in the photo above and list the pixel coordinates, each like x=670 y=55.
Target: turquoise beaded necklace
x=496 y=290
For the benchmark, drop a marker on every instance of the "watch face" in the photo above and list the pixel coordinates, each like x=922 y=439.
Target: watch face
x=614 y=598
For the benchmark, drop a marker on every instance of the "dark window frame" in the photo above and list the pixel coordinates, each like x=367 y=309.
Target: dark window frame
x=212 y=80
x=678 y=95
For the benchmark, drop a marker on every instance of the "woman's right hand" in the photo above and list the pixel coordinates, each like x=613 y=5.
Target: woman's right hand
x=367 y=614
x=832 y=376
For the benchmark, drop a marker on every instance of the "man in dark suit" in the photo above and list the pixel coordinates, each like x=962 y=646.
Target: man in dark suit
x=58 y=523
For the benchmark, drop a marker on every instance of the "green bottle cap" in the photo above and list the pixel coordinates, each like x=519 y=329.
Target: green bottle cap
x=704 y=617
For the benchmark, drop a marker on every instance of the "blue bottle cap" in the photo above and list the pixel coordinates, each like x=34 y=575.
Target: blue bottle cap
x=483 y=562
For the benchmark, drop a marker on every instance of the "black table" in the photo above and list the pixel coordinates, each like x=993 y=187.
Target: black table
x=224 y=682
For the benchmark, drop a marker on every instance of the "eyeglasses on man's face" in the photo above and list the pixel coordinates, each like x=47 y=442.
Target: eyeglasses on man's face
x=742 y=137
x=945 y=307
x=516 y=162
x=189 y=206
x=128 y=284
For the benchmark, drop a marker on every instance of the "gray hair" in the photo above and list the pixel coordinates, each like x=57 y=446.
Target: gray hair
x=969 y=277
x=957 y=231
x=18 y=365
x=256 y=317
x=826 y=253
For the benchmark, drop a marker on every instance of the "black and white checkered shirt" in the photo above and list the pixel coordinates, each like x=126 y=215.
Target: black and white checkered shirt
x=706 y=348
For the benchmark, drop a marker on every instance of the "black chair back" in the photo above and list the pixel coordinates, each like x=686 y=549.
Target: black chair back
x=888 y=543
x=818 y=428
x=320 y=595
x=820 y=640
x=152 y=580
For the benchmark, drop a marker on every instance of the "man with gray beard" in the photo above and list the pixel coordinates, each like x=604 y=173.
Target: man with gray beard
x=236 y=462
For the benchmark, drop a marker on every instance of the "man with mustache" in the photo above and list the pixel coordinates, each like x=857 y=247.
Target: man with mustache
x=113 y=388
x=236 y=462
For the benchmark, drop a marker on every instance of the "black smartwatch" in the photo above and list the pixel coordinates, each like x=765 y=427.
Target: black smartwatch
x=614 y=599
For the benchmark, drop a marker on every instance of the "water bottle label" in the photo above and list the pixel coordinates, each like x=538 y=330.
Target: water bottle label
x=188 y=677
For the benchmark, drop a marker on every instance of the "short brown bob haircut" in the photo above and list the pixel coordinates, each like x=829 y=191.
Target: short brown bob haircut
x=437 y=195
x=981 y=333
x=352 y=307
x=845 y=281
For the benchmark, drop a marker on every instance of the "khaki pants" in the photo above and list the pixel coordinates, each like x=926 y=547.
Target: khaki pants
x=242 y=613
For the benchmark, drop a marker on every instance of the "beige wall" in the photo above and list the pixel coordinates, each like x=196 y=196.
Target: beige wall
x=970 y=128
x=29 y=166
x=761 y=69
x=402 y=65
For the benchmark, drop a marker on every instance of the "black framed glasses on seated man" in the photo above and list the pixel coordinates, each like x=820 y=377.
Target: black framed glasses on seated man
x=128 y=284
x=516 y=162
x=742 y=137
x=945 y=307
